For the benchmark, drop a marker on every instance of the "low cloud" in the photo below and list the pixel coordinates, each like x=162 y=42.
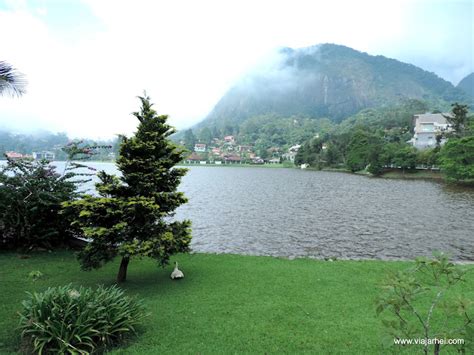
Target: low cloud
x=187 y=54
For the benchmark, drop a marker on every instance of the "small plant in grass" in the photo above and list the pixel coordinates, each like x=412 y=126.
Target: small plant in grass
x=419 y=303
x=78 y=321
x=35 y=275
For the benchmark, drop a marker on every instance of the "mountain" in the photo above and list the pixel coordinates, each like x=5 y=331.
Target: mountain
x=467 y=85
x=327 y=80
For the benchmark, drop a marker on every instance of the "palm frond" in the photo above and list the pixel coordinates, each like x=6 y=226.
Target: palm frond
x=11 y=81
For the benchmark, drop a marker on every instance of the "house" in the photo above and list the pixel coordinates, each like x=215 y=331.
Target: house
x=216 y=151
x=193 y=158
x=43 y=155
x=291 y=153
x=229 y=139
x=15 y=155
x=232 y=159
x=199 y=147
x=427 y=127
x=294 y=149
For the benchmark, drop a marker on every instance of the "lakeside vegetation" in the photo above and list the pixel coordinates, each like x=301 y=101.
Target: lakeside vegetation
x=245 y=305
x=370 y=142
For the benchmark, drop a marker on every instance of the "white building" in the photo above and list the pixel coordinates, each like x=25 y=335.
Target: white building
x=199 y=147
x=291 y=153
x=427 y=127
x=43 y=155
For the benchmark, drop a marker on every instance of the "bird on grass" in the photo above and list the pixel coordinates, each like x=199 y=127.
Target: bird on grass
x=177 y=273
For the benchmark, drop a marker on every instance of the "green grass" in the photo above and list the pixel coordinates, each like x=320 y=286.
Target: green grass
x=226 y=303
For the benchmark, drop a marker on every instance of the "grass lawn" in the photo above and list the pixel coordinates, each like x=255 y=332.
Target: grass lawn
x=226 y=303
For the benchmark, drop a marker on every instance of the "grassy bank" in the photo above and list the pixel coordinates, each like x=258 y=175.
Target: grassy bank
x=226 y=303
x=392 y=174
x=417 y=174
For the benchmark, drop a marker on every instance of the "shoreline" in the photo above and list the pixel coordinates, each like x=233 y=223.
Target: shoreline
x=250 y=255
x=390 y=174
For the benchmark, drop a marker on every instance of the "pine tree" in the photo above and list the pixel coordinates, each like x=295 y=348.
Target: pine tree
x=131 y=215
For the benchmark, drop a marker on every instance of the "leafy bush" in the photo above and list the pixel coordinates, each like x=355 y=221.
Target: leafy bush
x=31 y=193
x=421 y=303
x=80 y=321
x=457 y=159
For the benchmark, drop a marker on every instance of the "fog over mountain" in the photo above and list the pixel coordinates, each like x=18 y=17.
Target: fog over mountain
x=328 y=80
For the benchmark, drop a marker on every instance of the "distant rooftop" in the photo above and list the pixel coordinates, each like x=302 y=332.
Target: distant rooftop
x=432 y=118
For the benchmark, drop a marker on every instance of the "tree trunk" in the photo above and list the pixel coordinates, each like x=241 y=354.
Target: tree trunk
x=122 y=274
x=436 y=349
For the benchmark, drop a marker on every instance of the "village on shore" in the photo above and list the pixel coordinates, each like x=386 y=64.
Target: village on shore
x=228 y=151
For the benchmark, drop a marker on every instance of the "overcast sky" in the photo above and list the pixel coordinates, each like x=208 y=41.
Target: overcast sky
x=87 y=60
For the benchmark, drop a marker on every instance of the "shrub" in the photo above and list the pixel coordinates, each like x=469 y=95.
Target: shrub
x=420 y=303
x=31 y=193
x=80 y=321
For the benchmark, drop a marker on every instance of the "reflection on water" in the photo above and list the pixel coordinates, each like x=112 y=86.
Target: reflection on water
x=292 y=213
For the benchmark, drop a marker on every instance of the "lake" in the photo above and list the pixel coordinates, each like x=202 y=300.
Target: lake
x=300 y=213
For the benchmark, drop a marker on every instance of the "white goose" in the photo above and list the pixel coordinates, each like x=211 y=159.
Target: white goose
x=177 y=273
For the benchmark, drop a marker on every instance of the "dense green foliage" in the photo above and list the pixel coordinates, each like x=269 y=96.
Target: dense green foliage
x=31 y=193
x=371 y=139
x=362 y=149
x=375 y=139
x=458 y=120
x=130 y=216
x=457 y=155
x=66 y=320
x=409 y=316
x=269 y=131
x=229 y=303
x=457 y=159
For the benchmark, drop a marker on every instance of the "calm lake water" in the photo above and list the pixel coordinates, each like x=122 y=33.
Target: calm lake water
x=299 y=213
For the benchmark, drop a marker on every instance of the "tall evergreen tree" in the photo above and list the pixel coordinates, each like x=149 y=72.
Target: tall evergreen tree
x=131 y=215
x=458 y=119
